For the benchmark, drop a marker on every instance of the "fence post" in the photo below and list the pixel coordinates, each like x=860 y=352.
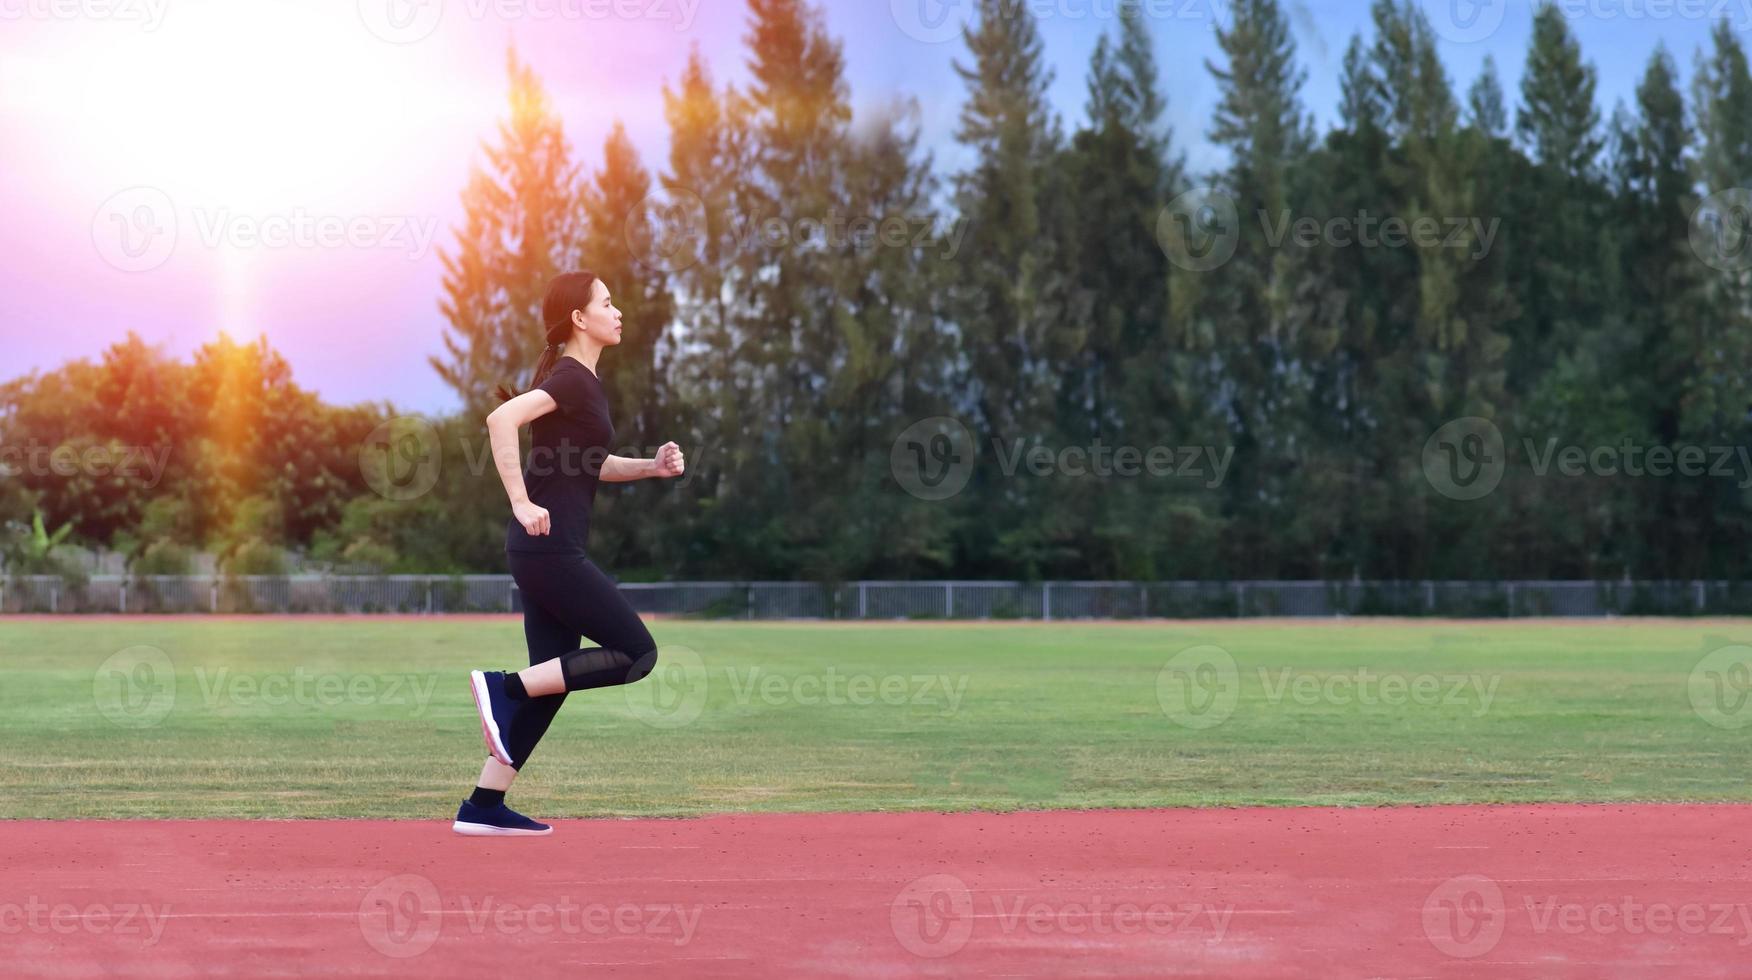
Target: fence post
x=213 y=595
x=748 y=599
x=863 y=600
x=124 y=588
x=948 y=600
x=1702 y=602
x=428 y=597
x=1240 y=600
x=1046 y=601
x=1430 y=596
x=1143 y=601
x=55 y=596
x=1511 y=598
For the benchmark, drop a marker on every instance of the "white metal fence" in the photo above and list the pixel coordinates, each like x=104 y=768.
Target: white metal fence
x=880 y=600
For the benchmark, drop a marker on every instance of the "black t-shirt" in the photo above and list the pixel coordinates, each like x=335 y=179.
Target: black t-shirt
x=566 y=452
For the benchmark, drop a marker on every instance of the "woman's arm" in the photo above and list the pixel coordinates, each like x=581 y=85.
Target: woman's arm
x=621 y=469
x=502 y=425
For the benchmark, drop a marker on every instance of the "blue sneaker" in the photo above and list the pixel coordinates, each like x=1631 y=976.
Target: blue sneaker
x=496 y=710
x=498 y=821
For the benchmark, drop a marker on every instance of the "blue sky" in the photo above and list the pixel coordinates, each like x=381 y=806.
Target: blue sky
x=242 y=113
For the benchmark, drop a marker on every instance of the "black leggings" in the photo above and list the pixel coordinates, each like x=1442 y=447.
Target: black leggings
x=566 y=597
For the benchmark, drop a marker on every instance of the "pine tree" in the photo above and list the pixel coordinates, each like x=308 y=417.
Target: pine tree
x=1484 y=102
x=1557 y=120
x=1012 y=302
x=1260 y=309
x=1124 y=387
x=521 y=228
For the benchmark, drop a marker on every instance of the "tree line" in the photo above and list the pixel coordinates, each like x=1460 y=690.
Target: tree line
x=1565 y=295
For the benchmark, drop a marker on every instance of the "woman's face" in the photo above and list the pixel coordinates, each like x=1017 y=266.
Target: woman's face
x=600 y=321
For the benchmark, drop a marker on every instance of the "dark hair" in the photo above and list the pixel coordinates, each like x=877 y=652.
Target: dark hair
x=568 y=292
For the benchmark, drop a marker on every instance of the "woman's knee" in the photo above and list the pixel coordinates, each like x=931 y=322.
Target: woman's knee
x=643 y=650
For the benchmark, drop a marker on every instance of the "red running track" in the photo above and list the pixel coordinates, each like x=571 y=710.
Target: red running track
x=1548 y=891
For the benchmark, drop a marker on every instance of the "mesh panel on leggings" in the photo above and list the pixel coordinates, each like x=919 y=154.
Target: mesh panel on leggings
x=600 y=667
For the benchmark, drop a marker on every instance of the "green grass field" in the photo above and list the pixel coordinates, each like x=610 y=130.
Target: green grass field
x=189 y=717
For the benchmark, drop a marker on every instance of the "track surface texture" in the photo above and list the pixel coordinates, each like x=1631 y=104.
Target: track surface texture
x=1439 y=891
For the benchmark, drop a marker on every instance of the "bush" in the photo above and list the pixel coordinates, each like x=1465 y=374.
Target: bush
x=164 y=557
x=256 y=557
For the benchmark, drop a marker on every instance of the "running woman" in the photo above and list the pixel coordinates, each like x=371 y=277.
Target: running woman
x=565 y=596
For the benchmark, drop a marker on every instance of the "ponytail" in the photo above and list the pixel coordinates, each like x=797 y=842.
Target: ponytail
x=568 y=292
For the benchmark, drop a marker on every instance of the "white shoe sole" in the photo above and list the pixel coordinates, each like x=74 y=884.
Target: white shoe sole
x=477 y=682
x=488 y=830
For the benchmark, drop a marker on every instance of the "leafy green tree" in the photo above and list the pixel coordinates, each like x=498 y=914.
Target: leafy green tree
x=522 y=226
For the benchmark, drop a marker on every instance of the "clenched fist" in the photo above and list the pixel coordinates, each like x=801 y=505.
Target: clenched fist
x=670 y=461
x=534 y=518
